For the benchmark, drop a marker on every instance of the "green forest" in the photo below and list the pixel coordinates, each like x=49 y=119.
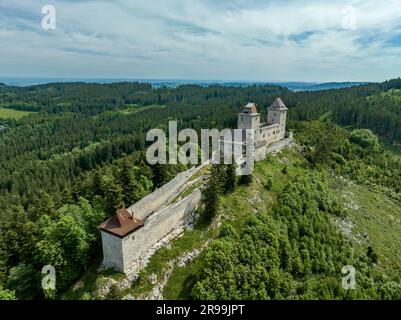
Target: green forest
x=76 y=154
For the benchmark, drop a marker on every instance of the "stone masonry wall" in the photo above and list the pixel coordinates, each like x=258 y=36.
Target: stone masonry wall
x=157 y=227
x=112 y=251
x=165 y=194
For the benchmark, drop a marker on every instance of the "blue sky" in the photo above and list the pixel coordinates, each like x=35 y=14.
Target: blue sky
x=294 y=40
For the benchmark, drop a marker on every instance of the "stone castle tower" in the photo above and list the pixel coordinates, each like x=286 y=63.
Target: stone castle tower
x=273 y=130
x=277 y=114
x=249 y=118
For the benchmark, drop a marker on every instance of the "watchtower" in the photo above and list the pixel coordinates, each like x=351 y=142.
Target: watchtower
x=277 y=114
x=249 y=118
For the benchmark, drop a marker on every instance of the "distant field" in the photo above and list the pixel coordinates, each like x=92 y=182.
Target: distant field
x=129 y=109
x=7 y=113
x=134 y=108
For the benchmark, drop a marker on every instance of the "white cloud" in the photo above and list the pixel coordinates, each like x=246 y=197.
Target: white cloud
x=243 y=40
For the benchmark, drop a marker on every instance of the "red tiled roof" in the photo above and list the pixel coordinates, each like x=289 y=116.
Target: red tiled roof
x=121 y=223
x=251 y=107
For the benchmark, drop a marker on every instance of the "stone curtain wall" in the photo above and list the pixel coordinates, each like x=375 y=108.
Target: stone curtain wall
x=279 y=145
x=162 y=196
x=157 y=227
x=262 y=151
x=112 y=251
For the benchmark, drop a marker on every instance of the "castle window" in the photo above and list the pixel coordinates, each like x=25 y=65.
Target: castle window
x=133 y=237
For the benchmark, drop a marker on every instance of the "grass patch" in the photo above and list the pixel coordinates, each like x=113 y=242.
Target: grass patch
x=190 y=240
x=8 y=113
x=127 y=110
x=181 y=281
x=85 y=286
x=187 y=191
x=135 y=108
x=377 y=222
x=205 y=170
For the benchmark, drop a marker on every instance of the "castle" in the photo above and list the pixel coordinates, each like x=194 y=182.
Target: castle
x=129 y=235
x=266 y=133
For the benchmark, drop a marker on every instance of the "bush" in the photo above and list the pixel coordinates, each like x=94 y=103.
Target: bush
x=372 y=255
x=228 y=231
x=246 y=179
x=6 y=294
x=114 y=293
x=366 y=139
x=24 y=280
x=268 y=184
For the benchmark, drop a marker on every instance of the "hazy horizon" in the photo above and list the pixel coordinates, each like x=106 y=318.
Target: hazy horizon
x=158 y=82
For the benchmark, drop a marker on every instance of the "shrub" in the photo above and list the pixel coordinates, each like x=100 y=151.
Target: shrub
x=366 y=139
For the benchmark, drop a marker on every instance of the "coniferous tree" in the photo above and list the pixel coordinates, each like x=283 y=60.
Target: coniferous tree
x=112 y=192
x=212 y=194
x=230 y=178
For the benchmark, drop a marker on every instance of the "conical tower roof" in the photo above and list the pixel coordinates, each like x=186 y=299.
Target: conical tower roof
x=278 y=104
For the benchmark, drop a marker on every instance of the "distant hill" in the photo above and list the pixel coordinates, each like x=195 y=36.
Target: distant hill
x=174 y=83
x=306 y=86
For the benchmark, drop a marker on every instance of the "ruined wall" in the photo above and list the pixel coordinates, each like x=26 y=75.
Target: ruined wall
x=112 y=251
x=157 y=227
x=165 y=194
x=260 y=153
x=279 y=145
x=274 y=143
x=271 y=134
